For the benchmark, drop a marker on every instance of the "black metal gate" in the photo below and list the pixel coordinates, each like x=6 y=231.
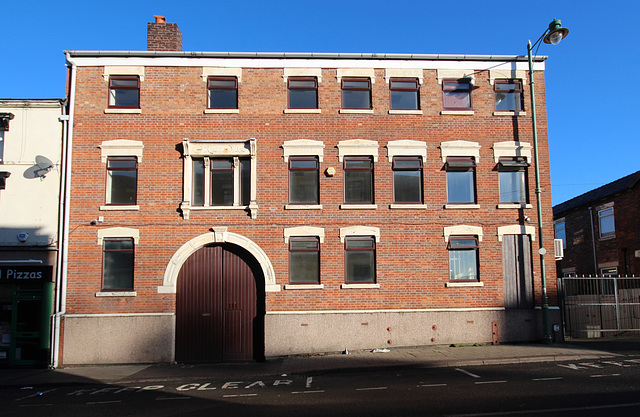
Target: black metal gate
x=599 y=306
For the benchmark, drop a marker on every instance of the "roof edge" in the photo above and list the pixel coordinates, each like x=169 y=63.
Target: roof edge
x=301 y=55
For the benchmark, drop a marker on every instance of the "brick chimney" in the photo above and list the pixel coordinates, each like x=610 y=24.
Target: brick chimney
x=163 y=36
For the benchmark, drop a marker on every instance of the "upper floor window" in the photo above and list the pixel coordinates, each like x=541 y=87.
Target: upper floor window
x=1 y=146
x=124 y=91
x=508 y=94
x=117 y=264
x=303 y=92
x=229 y=182
x=223 y=92
x=461 y=180
x=360 y=259
x=561 y=232
x=358 y=179
x=606 y=223
x=512 y=174
x=456 y=94
x=404 y=93
x=122 y=179
x=463 y=258
x=407 y=179
x=356 y=93
x=303 y=180
x=304 y=260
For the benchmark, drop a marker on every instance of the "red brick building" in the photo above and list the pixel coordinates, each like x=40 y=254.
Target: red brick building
x=232 y=206
x=600 y=230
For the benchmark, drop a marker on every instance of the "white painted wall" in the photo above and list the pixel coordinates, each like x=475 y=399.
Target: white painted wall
x=29 y=203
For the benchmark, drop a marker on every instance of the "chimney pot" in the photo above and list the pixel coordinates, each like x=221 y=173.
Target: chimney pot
x=160 y=19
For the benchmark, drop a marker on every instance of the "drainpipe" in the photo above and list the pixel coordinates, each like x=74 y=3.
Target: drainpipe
x=593 y=240
x=63 y=228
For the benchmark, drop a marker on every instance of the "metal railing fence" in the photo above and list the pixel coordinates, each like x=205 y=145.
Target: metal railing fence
x=599 y=306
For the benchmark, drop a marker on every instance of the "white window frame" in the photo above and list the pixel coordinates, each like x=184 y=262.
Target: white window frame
x=218 y=149
x=221 y=72
x=601 y=215
x=118 y=232
x=116 y=148
x=562 y=222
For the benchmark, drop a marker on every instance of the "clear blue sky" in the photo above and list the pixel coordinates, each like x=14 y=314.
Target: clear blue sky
x=592 y=93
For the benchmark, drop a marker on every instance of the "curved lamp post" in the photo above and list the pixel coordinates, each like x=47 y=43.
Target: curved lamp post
x=553 y=35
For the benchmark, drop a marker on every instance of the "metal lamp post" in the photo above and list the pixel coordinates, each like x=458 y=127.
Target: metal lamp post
x=553 y=35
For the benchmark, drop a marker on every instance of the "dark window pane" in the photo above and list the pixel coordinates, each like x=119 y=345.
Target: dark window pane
x=304 y=163
x=407 y=186
x=455 y=100
x=302 y=83
x=223 y=99
x=245 y=181
x=414 y=163
x=117 y=271
x=222 y=188
x=360 y=266
x=121 y=187
x=198 y=182
x=303 y=187
x=404 y=100
x=222 y=83
x=512 y=187
x=122 y=163
x=305 y=267
x=358 y=187
x=404 y=84
x=463 y=243
x=115 y=82
x=304 y=244
x=460 y=187
x=354 y=99
x=125 y=98
x=357 y=163
x=359 y=244
x=303 y=99
x=356 y=84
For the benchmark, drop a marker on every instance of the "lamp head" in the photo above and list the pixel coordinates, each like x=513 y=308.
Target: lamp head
x=556 y=32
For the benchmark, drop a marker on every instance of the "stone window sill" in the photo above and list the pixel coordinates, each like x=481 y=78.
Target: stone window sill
x=123 y=111
x=358 y=206
x=119 y=208
x=356 y=111
x=419 y=112
x=360 y=286
x=462 y=206
x=457 y=112
x=304 y=286
x=221 y=111
x=464 y=284
x=116 y=294
x=302 y=111
x=514 y=206
x=408 y=206
x=303 y=207
x=509 y=113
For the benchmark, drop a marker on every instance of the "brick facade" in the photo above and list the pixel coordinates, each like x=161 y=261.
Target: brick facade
x=614 y=251
x=412 y=260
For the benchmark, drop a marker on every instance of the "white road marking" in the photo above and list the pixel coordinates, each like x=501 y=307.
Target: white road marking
x=35 y=405
x=468 y=373
x=309 y=380
x=371 y=389
x=308 y=392
x=432 y=385
x=603 y=376
x=34 y=395
x=172 y=398
x=556 y=378
x=489 y=382
x=557 y=411
x=239 y=395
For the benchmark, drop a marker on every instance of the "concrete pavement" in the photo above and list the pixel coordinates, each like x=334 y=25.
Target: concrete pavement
x=428 y=356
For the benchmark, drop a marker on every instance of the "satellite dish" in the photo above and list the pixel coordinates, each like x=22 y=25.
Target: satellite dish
x=44 y=164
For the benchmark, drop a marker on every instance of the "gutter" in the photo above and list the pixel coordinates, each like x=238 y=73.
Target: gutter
x=63 y=228
x=301 y=55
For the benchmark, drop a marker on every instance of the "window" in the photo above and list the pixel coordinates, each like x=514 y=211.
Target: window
x=1 y=146
x=358 y=180
x=117 y=264
x=229 y=181
x=461 y=180
x=124 y=91
x=463 y=258
x=303 y=180
x=456 y=94
x=122 y=178
x=609 y=272
x=407 y=180
x=360 y=259
x=508 y=95
x=404 y=93
x=560 y=232
x=223 y=92
x=304 y=260
x=356 y=93
x=303 y=92
x=512 y=177
x=606 y=223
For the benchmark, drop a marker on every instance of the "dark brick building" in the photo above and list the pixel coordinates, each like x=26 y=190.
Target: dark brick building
x=231 y=206
x=600 y=230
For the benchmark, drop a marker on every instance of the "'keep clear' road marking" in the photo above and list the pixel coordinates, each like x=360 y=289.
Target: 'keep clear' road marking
x=555 y=378
x=468 y=373
x=432 y=385
x=371 y=389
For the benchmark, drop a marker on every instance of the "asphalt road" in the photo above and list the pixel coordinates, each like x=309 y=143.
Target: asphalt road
x=580 y=388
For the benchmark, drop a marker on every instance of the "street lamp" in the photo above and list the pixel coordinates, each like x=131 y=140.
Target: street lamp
x=553 y=35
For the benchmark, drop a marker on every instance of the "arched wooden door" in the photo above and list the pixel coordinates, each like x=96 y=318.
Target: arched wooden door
x=216 y=307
